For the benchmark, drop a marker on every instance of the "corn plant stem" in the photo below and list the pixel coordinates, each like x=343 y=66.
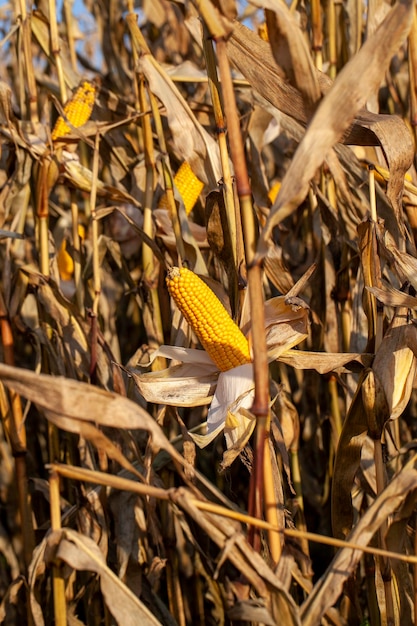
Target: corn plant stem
x=378 y=456
x=221 y=138
x=271 y=511
x=317 y=33
x=139 y=42
x=148 y=260
x=346 y=325
x=144 y=489
x=297 y=483
x=76 y=242
x=17 y=436
x=55 y=49
x=260 y=407
x=385 y=563
x=58 y=583
x=67 y=6
x=412 y=71
x=30 y=111
x=332 y=38
x=175 y=600
x=94 y=229
x=372 y=195
x=335 y=407
x=168 y=179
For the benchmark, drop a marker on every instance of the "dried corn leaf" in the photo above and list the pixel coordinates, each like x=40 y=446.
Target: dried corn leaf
x=66 y=401
x=81 y=553
x=395 y=362
x=390 y=296
x=191 y=141
x=371 y=268
x=328 y=589
x=290 y=50
x=228 y=536
x=347 y=462
x=337 y=111
x=323 y=362
x=41 y=30
x=178 y=385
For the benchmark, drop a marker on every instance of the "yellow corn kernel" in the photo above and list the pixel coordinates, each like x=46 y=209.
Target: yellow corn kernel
x=188 y=185
x=219 y=335
x=263 y=32
x=273 y=192
x=77 y=110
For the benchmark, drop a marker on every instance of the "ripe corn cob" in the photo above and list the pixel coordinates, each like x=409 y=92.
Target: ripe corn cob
x=188 y=185
x=77 y=110
x=220 y=336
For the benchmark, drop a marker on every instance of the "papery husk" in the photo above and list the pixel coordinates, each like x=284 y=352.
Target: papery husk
x=328 y=589
x=81 y=553
x=178 y=385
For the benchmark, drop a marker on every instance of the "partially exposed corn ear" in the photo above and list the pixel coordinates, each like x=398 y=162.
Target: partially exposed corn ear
x=219 y=335
x=188 y=185
x=77 y=110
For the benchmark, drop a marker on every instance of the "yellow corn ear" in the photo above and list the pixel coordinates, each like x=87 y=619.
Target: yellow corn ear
x=188 y=185
x=77 y=110
x=219 y=335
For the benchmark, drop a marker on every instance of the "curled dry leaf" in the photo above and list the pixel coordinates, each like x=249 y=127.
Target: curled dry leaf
x=178 y=385
x=228 y=536
x=337 y=111
x=323 y=362
x=328 y=589
x=290 y=50
x=390 y=296
x=395 y=362
x=394 y=367
x=192 y=142
x=81 y=553
x=67 y=401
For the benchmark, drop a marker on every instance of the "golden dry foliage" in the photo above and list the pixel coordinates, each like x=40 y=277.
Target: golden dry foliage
x=208 y=416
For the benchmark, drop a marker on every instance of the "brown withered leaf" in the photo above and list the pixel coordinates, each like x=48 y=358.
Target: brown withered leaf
x=337 y=111
x=218 y=236
x=323 y=362
x=81 y=553
x=375 y=404
x=179 y=385
x=247 y=52
x=403 y=263
x=395 y=363
x=66 y=401
x=328 y=589
x=390 y=296
x=371 y=269
x=290 y=50
x=347 y=462
x=228 y=536
x=394 y=367
x=191 y=141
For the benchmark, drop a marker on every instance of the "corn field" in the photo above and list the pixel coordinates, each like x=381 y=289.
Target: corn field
x=208 y=297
